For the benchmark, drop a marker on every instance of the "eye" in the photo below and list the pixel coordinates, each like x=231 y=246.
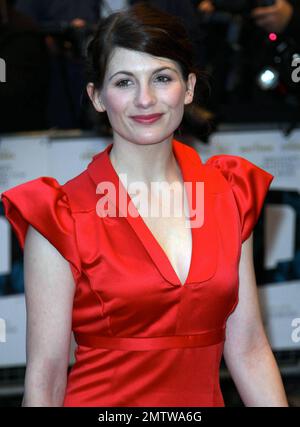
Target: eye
x=162 y=78
x=123 y=83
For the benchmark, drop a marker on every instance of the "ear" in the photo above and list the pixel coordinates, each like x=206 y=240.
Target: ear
x=191 y=83
x=95 y=97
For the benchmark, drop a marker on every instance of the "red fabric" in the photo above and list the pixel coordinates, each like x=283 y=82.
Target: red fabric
x=145 y=339
x=249 y=184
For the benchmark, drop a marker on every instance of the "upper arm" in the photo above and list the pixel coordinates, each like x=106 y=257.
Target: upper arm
x=244 y=328
x=49 y=293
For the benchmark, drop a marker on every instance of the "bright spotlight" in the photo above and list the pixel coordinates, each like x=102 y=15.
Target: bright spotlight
x=268 y=78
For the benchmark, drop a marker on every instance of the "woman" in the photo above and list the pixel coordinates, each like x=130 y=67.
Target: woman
x=149 y=298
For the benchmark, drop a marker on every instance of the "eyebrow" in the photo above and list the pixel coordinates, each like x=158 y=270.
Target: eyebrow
x=128 y=73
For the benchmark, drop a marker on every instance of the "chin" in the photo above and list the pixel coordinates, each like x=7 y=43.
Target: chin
x=140 y=137
x=152 y=139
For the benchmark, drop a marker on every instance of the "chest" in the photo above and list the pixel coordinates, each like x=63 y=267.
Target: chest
x=170 y=228
x=175 y=239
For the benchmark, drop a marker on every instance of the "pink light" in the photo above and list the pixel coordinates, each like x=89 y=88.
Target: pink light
x=272 y=37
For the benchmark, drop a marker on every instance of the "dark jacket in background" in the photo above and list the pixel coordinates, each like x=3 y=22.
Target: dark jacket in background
x=60 y=10
x=23 y=98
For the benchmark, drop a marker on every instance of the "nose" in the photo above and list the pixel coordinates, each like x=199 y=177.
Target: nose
x=145 y=96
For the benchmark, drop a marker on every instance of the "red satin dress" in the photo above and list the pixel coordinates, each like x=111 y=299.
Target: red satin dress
x=144 y=338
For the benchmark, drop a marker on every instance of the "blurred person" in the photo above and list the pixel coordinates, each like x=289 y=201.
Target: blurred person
x=24 y=94
x=75 y=12
x=67 y=25
x=283 y=17
x=153 y=300
x=281 y=103
x=238 y=52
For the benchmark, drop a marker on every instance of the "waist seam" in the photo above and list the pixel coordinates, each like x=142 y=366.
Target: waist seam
x=151 y=343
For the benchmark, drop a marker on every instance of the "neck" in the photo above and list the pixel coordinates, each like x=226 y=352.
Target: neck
x=147 y=163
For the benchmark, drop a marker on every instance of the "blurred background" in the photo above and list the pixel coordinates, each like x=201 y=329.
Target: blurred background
x=247 y=104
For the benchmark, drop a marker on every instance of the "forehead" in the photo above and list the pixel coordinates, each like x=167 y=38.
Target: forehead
x=135 y=61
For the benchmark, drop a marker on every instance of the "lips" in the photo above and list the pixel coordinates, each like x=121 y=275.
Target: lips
x=149 y=118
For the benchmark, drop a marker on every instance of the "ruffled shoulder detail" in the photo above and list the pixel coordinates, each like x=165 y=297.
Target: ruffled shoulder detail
x=249 y=184
x=43 y=203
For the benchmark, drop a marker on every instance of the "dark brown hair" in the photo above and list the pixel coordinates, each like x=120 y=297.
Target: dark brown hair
x=142 y=28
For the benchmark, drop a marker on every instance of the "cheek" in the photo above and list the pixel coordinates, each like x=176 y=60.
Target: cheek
x=175 y=98
x=115 y=103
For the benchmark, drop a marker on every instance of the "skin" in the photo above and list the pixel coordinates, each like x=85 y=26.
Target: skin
x=49 y=294
x=206 y=6
x=147 y=91
x=49 y=285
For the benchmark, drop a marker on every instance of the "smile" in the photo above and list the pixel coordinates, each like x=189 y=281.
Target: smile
x=147 y=119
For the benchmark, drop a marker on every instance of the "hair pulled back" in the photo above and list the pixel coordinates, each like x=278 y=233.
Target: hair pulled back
x=142 y=28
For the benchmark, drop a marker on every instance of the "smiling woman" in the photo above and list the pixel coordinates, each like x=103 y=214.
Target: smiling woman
x=141 y=71
x=153 y=301
x=144 y=101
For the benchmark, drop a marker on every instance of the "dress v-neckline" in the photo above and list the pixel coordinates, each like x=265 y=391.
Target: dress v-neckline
x=160 y=248
x=204 y=236
x=148 y=231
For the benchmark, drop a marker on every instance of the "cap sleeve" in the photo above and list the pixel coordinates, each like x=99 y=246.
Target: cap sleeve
x=249 y=184
x=44 y=205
